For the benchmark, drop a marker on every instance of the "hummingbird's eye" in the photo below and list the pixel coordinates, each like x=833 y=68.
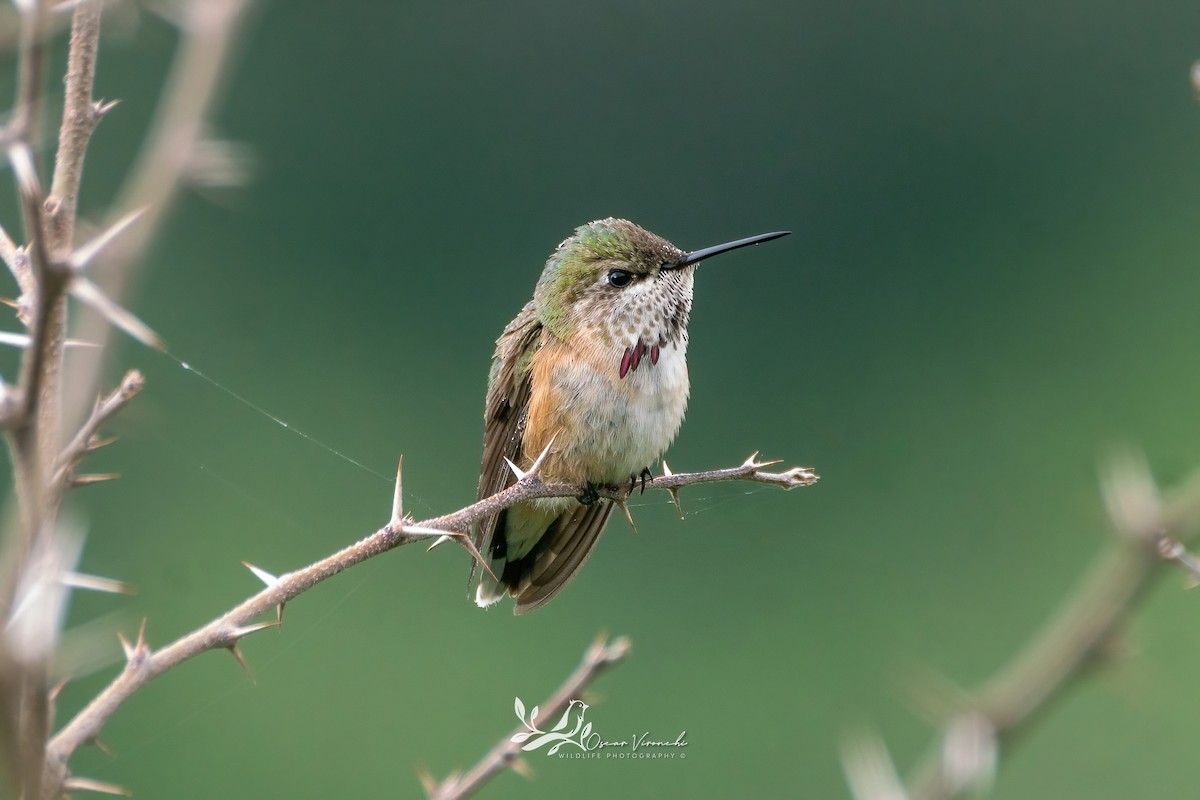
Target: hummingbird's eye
x=619 y=277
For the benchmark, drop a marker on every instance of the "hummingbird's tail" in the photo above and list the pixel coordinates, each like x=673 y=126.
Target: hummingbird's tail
x=534 y=563
x=491 y=589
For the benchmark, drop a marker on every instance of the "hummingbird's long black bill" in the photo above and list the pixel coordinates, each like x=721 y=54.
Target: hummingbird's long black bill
x=700 y=255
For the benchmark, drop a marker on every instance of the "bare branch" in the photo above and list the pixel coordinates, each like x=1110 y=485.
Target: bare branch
x=531 y=488
x=222 y=632
x=601 y=656
x=1073 y=640
x=80 y=117
x=207 y=29
x=85 y=440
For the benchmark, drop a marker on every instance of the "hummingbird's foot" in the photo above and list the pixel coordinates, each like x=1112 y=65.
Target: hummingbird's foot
x=643 y=476
x=590 y=494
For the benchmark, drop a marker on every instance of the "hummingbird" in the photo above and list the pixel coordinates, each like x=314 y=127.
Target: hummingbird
x=593 y=371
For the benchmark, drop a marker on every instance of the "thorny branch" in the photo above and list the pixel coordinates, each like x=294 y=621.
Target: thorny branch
x=599 y=658
x=48 y=268
x=85 y=440
x=167 y=162
x=37 y=555
x=33 y=408
x=224 y=632
x=981 y=728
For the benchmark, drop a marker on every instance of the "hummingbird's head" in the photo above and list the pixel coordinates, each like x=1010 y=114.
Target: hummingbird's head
x=619 y=281
x=623 y=283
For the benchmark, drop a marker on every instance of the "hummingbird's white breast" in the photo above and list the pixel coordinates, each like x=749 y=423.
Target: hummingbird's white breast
x=609 y=428
x=613 y=393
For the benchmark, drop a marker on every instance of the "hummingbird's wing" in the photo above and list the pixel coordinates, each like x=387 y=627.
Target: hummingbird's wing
x=505 y=413
x=560 y=553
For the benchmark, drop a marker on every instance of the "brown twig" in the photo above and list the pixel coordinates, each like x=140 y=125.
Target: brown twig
x=599 y=658
x=226 y=631
x=32 y=424
x=85 y=439
x=81 y=114
x=985 y=724
x=207 y=35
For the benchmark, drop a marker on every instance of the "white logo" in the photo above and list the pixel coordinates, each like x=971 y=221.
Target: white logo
x=580 y=735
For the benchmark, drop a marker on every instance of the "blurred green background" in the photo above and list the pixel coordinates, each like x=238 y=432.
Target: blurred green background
x=993 y=281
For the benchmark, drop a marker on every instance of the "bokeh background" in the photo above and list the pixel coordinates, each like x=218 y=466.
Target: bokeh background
x=993 y=280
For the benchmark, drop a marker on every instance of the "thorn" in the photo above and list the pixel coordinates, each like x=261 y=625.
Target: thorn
x=89 y=293
x=418 y=530
x=445 y=536
x=515 y=470
x=521 y=767
x=537 y=463
x=470 y=547
x=14 y=339
x=242 y=631
x=440 y=540
x=80 y=580
x=24 y=169
x=87 y=480
x=56 y=689
x=868 y=767
x=95 y=444
x=102 y=746
x=398 y=498
x=753 y=463
x=270 y=580
x=84 y=254
x=628 y=517
x=674 y=490
x=102 y=107
x=126 y=646
x=428 y=783
x=9 y=302
x=237 y=653
x=77 y=784
x=138 y=650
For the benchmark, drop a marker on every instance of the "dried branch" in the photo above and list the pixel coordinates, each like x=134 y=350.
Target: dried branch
x=599 y=658
x=985 y=725
x=207 y=36
x=227 y=630
x=32 y=420
x=32 y=412
x=530 y=488
x=85 y=440
x=81 y=114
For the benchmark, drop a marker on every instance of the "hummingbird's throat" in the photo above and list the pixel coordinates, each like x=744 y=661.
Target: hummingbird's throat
x=634 y=355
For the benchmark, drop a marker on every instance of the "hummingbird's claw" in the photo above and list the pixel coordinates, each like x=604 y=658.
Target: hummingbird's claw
x=645 y=475
x=590 y=494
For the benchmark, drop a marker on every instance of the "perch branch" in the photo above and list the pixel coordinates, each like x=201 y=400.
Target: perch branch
x=599 y=658
x=224 y=632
